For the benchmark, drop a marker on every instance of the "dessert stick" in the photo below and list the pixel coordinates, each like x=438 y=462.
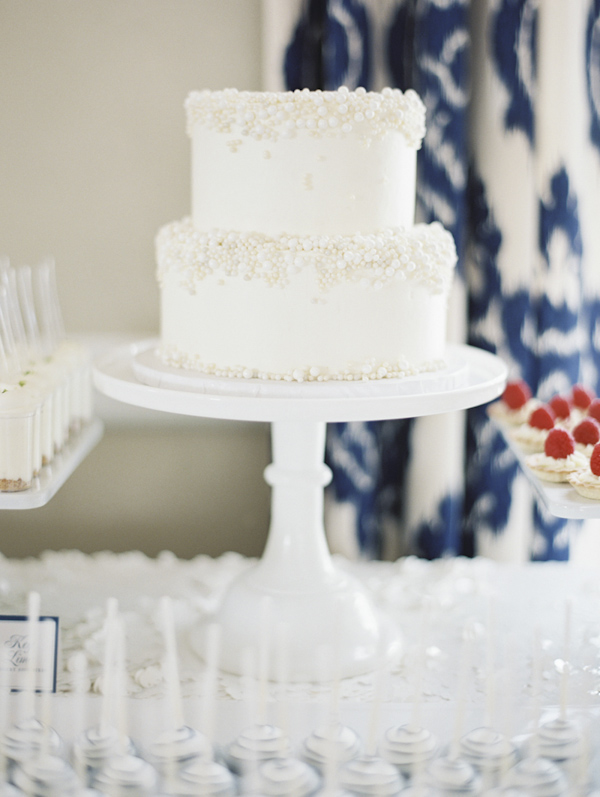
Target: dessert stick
x=536 y=688
x=171 y=668
x=171 y=676
x=415 y=720
x=107 y=712
x=490 y=671
x=375 y=712
x=80 y=683
x=461 y=692
x=264 y=652
x=564 y=678
x=209 y=691
x=33 y=618
x=282 y=676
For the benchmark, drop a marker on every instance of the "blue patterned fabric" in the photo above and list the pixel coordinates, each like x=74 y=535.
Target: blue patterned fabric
x=488 y=72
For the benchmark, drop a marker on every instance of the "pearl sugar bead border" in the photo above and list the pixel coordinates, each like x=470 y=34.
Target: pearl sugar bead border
x=424 y=253
x=269 y=115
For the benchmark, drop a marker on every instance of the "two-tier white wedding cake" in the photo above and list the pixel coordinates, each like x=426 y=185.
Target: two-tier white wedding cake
x=301 y=260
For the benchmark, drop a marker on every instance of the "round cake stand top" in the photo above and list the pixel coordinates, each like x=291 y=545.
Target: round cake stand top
x=134 y=375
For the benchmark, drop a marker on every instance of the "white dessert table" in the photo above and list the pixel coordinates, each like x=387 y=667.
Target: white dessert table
x=296 y=584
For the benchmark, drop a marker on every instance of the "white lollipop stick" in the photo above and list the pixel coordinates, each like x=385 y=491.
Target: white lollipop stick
x=213 y=648
x=375 y=713
x=416 y=712
x=80 y=682
x=171 y=664
x=461 y=692
x=120 y=690
x=33 y=618
x=564 y=681
x=282 y=675
x=264 y=658
x=108 y=679
x=490 y=669
x=536 y=684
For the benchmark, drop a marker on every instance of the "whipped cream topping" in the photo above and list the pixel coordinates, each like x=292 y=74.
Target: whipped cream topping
x=544 y=464
x=424 y=253
x=503 y=413
x=270 y=115
x=529 y=438
x=586 y=482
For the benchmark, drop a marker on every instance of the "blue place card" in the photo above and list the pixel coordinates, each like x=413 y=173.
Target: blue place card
x=15 y=649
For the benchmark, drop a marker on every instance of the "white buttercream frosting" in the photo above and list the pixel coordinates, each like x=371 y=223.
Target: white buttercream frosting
x=272 y=115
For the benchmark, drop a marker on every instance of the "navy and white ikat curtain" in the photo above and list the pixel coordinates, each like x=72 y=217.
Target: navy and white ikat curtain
x=511 y=166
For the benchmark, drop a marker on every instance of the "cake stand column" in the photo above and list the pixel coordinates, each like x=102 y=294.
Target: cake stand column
x=317 y=602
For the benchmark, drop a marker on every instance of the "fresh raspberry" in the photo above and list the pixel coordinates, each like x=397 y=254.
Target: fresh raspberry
x=561 y=407
x=587 y=432
x=594 y=409
x=559 y=444
x=595 y=460
x=542 y=417
x=516 y=394
x=582 y=396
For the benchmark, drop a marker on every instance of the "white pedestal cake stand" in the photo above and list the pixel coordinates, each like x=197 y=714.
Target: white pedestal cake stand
x=316 y=601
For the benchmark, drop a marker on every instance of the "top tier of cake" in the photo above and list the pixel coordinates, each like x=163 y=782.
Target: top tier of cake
x=271 y=162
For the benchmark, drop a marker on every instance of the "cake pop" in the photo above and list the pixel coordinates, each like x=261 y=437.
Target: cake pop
x=287 y=777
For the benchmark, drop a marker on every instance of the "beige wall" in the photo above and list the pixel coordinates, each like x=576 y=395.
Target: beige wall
x=93 y=160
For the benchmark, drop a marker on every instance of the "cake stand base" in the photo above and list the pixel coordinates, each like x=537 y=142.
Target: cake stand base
x=335 y=622
x=296 y=590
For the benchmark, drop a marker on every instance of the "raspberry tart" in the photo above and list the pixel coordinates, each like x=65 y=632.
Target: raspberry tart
x=587 y=480
x=531 y=436
x=586 y=434
x=516 y=404
x=559 y=459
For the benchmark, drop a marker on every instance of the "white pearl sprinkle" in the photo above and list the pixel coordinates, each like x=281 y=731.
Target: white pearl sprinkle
x=269 y=115
x=423 y=253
